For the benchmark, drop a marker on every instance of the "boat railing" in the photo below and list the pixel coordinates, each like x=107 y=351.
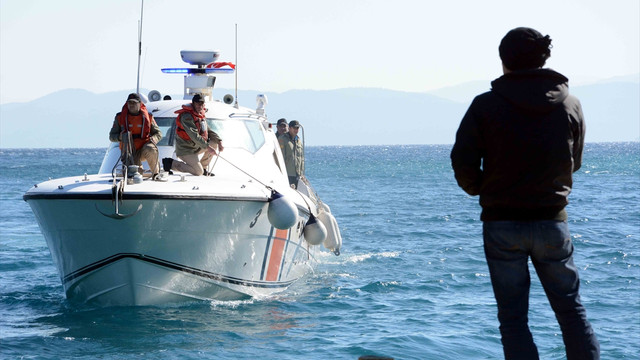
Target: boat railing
x=248 y=115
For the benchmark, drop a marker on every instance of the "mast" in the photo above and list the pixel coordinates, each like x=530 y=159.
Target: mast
x=139 y=47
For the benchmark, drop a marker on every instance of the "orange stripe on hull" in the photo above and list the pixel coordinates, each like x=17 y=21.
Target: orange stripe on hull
x=276 y=254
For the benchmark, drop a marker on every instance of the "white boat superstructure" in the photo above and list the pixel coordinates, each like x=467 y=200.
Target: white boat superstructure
x=241 y=232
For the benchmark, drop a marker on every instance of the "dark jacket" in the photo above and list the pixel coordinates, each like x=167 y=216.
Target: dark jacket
x=518 y=145
x=293 y=154
x=197 y=143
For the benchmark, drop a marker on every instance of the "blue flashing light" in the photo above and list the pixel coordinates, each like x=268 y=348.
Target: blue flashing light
x=196 y=71
x=181 y=71
x=174 y=71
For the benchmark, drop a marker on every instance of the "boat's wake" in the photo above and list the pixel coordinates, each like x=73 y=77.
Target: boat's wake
x=329 y=259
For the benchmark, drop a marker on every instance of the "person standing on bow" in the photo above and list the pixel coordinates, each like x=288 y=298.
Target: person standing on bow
x=281 y=128
x=193 y=138
x=293 y=153
x=517 y=147
x=138 y=134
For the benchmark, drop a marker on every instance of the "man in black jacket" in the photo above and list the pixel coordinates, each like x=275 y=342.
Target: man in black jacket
x=517 y=147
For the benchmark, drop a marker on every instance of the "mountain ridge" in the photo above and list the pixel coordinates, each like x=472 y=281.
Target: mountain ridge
x=78 y=118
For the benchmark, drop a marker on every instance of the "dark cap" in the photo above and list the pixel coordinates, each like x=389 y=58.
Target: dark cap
x=197 y=98
x=524 y=48
x=134 y=97
x=294 y=123
x=280 y=121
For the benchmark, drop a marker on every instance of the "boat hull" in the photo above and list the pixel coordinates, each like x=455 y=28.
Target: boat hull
x=170 y=250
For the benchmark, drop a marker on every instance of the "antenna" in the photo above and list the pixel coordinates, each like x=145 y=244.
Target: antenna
x=139 y=47
x=236 y=72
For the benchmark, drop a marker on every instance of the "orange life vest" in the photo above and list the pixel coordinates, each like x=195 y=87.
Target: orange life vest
x=198 y=119
x=138 y=125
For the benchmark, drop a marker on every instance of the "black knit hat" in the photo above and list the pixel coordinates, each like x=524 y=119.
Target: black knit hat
x=524 y=48
x=133 y=97
x=294 y=124
x=197 y=98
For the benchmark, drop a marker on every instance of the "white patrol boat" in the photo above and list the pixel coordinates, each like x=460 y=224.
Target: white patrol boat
x=119 y=238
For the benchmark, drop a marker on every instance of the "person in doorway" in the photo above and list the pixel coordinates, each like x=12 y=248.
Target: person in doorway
x=138 y=134
x=281 y=128
x=193 y=138
x=517 y=147
x=293 y=153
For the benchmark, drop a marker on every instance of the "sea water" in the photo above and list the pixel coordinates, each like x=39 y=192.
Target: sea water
x=411 y=282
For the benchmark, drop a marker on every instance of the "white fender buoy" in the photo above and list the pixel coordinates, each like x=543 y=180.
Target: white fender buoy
x=314 y=231
x=282 y=212
x=333 y=241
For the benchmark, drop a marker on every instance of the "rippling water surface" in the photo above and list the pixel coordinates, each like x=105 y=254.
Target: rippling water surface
x=411 y=282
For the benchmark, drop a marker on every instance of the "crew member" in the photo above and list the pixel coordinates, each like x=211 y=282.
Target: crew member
x=193 y=138
x=293 y=153
x=281 y=128
x=138 y=134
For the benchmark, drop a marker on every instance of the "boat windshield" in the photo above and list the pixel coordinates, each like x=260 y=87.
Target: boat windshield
x=244 y=134
x=237 y=133
x=166 y=126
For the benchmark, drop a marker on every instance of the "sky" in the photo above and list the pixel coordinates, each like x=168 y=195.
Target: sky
x=405 y=45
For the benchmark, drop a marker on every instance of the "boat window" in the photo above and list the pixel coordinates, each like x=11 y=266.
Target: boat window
x=255 y=130
x=167 y=126
x=245 y=134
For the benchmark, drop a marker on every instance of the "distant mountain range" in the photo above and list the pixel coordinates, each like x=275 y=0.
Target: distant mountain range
x=75 y=118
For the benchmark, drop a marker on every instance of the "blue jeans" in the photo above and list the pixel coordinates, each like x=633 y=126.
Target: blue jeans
x=507 y=247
